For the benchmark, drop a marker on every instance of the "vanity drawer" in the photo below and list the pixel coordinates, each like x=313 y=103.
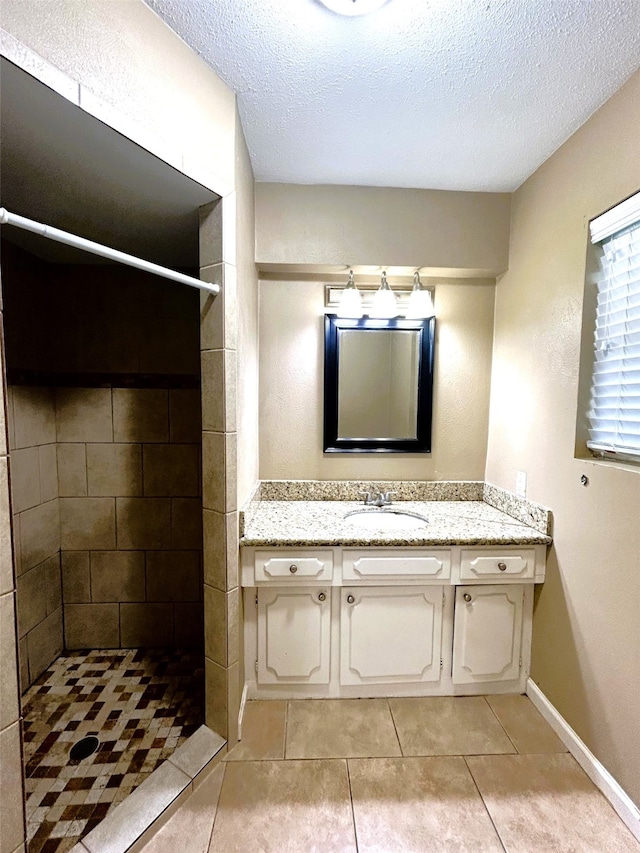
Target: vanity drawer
x=477 y=565
x=295 y=565
x=395 y=564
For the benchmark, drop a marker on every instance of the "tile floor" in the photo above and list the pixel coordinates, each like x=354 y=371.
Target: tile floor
x=427 y=775
x=142 y=705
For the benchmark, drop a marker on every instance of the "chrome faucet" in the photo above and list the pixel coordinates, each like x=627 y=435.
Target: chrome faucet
x=379 y=500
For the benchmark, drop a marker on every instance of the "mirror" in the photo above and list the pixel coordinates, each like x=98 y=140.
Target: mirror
x=378 y=385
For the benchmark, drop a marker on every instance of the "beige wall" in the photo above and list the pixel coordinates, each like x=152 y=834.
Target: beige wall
x=454 y=233
x=586 y=652
x=291 y=388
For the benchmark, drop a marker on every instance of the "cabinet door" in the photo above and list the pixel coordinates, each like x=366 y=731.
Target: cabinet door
x=487 y=633
x=293 y=635
x=390 y=635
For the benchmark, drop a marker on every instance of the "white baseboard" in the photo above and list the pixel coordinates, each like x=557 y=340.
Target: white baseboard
x=243 y=702
x=599 y=775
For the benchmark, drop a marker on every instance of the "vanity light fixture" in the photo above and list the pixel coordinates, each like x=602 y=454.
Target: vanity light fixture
x=351 y=300
x=385 y=303
x=420 y=301
x=353 y=7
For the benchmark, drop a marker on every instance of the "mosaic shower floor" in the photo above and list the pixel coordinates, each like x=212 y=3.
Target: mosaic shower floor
x=141 y=704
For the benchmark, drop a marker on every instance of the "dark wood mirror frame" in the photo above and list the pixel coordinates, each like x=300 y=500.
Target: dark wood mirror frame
x=422 y=443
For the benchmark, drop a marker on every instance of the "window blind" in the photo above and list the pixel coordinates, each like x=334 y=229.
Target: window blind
x=614 y=413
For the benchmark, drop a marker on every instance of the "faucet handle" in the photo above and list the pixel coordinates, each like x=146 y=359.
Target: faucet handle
x=368 y=498
x=386 y=496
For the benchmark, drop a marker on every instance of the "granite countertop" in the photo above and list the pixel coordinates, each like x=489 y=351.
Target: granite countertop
x=310 y=523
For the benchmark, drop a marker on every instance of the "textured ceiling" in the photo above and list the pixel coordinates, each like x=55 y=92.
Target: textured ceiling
x=444 y=94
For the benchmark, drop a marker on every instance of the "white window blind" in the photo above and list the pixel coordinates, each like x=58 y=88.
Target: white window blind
x=614 y=413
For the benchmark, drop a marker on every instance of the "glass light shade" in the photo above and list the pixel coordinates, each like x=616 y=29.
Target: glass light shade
x=350 y=301
x=420 y=304
x=353 y=7
x=385 y=303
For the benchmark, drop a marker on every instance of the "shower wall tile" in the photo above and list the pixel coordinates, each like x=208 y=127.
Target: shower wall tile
x=117 y=576
x=215 y=626
x=84 y=415
x=210 y=232
x=6 y=550
x=72 y=470
x=25 y=478
x=146 y=625
x=140 y=414
x=174 y=576
x=213 y=396
x=53 y=582
x=215 y=545
x=213 y=471
x=39 y=534
x=11 y=424
x=189 y=625
x=212 y=308
x=9 y=708
x=11 y=802
x=34 y=416
x=171 y=470
x=32 y=598
x=87 y=523
x=143 y=523
x=185 y=418
x=186 y=523
x=76 y=577
x=216 y=699
x=23 y=663
x=92 y=626
x=114 y=469
x=45 y=644
x=48 y=472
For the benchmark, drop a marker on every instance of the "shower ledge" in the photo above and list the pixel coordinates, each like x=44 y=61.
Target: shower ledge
x=132 y=823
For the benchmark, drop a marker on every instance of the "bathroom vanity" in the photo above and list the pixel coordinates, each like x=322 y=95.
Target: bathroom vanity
x=334 y=610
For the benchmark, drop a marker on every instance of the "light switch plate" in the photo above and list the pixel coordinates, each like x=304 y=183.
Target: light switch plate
x=521 y=484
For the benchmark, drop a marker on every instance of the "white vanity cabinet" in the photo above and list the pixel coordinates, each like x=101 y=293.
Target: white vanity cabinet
x=380 y=621
x=391 y=635
x=487 y=634
x=293 y=635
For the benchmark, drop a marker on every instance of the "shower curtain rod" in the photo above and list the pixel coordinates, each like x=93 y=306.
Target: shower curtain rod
x=7 y=218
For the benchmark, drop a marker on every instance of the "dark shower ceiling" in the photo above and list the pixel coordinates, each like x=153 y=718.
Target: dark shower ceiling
x=63 y=167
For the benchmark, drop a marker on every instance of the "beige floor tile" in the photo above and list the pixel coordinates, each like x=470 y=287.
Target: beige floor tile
x=262 y=732
x=284 y=807
x=524 y=724
x=547 y=803
x=340 y=728
x=418 y=804
x=448 y=725
x=193 y=820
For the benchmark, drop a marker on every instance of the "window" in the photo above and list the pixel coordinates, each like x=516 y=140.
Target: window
x=614 y=412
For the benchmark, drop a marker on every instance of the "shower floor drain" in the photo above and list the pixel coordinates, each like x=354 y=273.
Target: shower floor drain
x=84 y=748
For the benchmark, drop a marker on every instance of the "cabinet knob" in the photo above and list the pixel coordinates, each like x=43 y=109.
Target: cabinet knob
x=502 y=567
x=321 y=596
x=293 y=568
x=350 y=599
x=466 y=596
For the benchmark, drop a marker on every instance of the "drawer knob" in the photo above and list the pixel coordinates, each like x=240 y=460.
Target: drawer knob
x=321 y=596
x=293 y=568
x=467 y=597
x=350 y=599
x=502 y=567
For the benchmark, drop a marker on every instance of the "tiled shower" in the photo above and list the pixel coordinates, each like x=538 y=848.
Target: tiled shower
x=103 y=382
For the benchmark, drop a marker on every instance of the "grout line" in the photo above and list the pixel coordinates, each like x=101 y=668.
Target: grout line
x=501 y=726
x=486 y=808
x=395 y=728
x=353 y=814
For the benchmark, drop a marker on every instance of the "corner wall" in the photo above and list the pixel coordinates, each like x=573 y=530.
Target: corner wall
x=586 y=641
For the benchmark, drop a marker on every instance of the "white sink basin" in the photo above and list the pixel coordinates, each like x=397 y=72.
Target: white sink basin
x=385 y=519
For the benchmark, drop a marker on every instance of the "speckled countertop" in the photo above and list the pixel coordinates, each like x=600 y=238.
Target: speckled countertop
x=309 y=523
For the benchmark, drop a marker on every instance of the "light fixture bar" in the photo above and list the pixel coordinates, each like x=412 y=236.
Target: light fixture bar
x=7 y=218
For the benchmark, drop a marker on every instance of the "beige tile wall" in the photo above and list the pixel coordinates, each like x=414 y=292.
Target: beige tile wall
x=218 y=341
x=36 y=520
x=11 y=778
x=130 y=516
